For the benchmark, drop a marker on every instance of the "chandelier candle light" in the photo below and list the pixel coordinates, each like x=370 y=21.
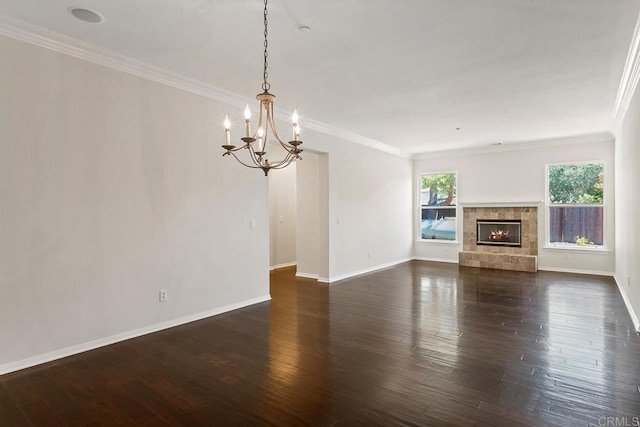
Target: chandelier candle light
x=266 y=125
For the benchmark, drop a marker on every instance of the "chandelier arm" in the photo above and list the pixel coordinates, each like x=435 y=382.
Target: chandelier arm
x=284 y=162
x=269 y=121
x=259 y=125
x=286 y=146
x=241 y=147
x=254 y=158
x=258 y=160
x=245 y=164
x=282 y=165
x=272 y=125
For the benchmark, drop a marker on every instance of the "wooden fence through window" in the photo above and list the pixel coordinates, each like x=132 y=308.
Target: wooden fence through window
x=566 y=224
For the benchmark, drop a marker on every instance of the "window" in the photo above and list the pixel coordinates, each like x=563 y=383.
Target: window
x=575 y=200
x=438 y=206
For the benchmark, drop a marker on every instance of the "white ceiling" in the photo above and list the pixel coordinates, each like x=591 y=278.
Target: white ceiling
x=406 y=73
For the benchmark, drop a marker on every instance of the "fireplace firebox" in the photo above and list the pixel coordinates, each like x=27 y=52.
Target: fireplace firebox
x=499 y=232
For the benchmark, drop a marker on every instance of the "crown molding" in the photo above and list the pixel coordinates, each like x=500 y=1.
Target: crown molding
x=629 y=80
x=355 y=138
x=525 y=145
x=38 y=36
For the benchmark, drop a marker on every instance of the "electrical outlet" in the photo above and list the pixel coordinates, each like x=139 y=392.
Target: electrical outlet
x=370 y=254
x=163 y=295
x=252 y=224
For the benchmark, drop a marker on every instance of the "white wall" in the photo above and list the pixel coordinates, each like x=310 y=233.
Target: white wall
x=518 y=175
x=113 y=187
x=372 y=199
x=282 y=216
x=628 y=205
x=308 y=216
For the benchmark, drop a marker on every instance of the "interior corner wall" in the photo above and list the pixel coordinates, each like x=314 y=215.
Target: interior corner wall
x=518 y=175
x=308 y=216
x=367 y=214
x=113 y=187
x=628 y=205
x=282 y=216
x=323 y=217
x=369 y=210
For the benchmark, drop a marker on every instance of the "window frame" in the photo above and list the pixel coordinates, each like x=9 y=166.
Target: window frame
x=419 y=239
x=547 y=205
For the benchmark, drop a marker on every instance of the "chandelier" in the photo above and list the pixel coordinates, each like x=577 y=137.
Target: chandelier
x=256 y=143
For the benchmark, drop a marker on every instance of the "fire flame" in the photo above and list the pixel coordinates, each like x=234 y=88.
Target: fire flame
x=499 y=235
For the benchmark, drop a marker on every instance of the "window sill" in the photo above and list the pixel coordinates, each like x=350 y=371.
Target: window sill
x=602 y=250
x=436 y=241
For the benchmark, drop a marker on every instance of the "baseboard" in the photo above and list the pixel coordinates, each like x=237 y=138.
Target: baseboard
x=288 y=264
x=576 y=271
x=632 y=313
x=369 y=270
x=366 y=270
x=307 y=275
x=91 y=345
x=449 y=261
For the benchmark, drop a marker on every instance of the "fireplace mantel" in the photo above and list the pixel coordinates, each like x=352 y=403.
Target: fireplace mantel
x=533 y=204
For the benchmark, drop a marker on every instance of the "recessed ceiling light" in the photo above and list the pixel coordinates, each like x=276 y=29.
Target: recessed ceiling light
x=304 y=29
x=86 y=15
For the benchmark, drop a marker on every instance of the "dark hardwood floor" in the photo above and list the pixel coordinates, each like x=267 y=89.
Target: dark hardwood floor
x=417 y=344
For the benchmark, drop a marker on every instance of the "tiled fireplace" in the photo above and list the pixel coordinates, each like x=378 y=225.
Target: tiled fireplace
x=500 y=237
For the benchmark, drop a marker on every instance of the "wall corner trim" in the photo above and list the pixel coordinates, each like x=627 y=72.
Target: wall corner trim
x=307 y=275
x=288 y=264
x=430 y=259
x=627 y=303
x=576 y=271
x=628 y=81
x=91 y=345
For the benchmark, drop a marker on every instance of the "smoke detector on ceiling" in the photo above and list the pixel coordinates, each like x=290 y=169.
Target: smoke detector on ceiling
x=86 y=15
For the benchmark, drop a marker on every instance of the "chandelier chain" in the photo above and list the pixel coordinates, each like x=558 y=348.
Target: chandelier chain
x=265 y=85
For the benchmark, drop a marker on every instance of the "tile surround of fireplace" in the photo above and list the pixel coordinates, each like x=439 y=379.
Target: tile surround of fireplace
x=503 y=257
